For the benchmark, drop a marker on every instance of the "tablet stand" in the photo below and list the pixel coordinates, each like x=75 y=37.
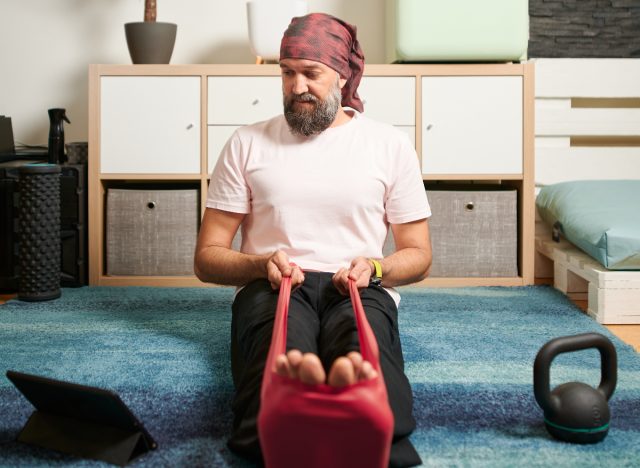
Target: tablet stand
x=82 y=439
x=87 y=422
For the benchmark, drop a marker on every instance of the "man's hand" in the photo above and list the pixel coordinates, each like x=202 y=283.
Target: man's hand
x=360 y=271
x=278 y=266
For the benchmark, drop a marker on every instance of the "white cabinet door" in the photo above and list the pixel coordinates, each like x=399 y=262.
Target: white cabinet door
x=235 y=101
x=472 y=125
x=390 y=99
x=242 y=100
x=150 y=124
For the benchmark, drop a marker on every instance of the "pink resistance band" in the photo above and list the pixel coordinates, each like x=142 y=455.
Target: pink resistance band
x=320 y=425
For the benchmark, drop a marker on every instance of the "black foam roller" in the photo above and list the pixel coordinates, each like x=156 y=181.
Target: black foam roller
x=39 y=215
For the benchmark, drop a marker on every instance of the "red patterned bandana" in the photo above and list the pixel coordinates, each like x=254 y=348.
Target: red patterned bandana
x=326 y=39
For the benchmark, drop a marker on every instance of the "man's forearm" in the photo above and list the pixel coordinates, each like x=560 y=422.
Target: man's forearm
x=220 y=265
x=405 y=266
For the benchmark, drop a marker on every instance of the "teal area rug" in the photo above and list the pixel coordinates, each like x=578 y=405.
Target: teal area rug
x=469 y=355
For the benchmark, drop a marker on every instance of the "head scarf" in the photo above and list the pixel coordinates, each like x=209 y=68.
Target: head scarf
x=326 y=39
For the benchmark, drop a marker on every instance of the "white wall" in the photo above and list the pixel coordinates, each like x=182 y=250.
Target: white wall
x=47 y=45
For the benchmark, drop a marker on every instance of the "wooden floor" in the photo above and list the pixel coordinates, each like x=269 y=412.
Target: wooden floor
x=630 y=334
x=5 y=297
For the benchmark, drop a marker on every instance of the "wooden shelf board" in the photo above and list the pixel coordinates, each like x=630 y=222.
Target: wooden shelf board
x=134 y=177
x=469 y=282
x=160 y=281
x=385 y=69
x=472 y=176
x=192 y=281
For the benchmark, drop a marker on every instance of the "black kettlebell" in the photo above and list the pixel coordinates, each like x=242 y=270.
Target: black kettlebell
x=574 y=411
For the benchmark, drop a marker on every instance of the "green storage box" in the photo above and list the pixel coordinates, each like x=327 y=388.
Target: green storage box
x=457 y=30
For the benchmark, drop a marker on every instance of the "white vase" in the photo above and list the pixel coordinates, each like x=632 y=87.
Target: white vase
x=268 y=20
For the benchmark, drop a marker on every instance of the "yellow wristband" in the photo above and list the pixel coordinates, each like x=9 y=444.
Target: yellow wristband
x=377 y=275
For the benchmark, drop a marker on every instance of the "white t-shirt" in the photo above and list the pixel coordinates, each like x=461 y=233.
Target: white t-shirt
x=323 y=200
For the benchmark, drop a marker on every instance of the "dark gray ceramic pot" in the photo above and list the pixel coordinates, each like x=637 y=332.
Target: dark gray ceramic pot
x=150 y=42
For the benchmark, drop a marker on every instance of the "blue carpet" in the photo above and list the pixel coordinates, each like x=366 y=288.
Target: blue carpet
x=469 y=355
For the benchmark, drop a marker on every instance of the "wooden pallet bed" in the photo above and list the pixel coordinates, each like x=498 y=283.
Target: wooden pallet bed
x=613 y=297
x=587 y=128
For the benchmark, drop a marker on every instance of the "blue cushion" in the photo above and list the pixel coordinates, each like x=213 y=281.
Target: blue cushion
x=601 y=217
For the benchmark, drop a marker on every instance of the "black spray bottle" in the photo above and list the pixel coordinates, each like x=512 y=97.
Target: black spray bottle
x=56 y=135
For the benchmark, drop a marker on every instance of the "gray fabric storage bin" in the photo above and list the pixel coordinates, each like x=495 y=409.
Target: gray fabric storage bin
x=474 y=233
x=151 y=232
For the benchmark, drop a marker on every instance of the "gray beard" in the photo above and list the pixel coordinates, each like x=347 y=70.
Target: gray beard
x=317 y=120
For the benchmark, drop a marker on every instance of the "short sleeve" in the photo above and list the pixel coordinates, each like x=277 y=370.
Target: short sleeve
x=228 y=189
x=407 y=199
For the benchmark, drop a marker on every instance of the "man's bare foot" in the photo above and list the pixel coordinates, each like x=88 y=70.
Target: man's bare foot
x=307 y=367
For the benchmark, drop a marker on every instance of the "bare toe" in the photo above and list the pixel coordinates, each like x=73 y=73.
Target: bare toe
x=342 y=372
x=367 y=372
x=310 y=370
x=282 y=366
x=356 y=360
x=295 y=358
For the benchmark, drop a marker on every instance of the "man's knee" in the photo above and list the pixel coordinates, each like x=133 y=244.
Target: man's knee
x=251 y=327
x=382 y=315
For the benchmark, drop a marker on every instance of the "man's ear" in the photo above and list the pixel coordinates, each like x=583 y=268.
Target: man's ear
x=342 y=82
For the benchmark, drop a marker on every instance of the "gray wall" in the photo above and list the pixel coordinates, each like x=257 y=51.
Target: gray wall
x=584 y=28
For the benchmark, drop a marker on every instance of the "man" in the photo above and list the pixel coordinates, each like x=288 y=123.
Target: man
x=318 y=187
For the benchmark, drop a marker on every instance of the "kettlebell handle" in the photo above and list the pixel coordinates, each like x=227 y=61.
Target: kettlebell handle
x=565 y=344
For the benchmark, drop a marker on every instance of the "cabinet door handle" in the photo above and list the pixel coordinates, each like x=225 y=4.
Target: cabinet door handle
x=255 y=102
x=190 y=126
x=429 y=127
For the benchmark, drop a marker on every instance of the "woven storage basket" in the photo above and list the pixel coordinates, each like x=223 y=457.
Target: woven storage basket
x=151 y=232
x=473 y=233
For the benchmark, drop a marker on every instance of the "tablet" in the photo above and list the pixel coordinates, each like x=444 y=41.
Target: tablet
x=79 y=402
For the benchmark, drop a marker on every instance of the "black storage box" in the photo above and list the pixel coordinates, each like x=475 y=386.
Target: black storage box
x=9 y=271
x=73 y=225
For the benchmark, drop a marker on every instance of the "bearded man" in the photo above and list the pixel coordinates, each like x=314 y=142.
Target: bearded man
x=318 y=187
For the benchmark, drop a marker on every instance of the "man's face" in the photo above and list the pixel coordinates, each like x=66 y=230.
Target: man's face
x=311 y=94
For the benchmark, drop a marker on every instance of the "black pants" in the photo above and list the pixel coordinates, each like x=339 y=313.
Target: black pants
x=320 y=321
